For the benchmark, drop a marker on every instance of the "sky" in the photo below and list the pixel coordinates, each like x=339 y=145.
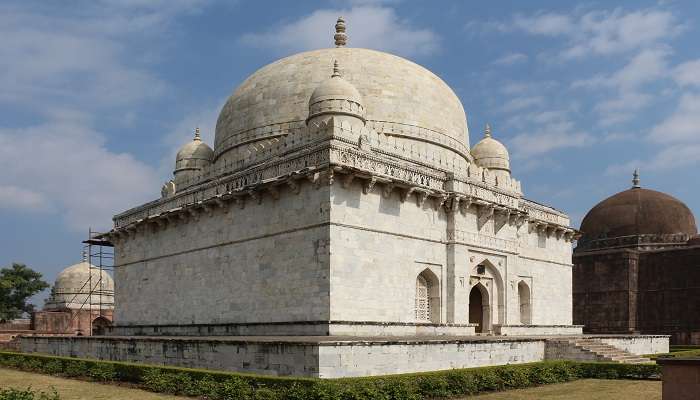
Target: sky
x=96 y=96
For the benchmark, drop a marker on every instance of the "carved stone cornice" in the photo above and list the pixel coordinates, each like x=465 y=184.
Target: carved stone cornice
x=323 y=161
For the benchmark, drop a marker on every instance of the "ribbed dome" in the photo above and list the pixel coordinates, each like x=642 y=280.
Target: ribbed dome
x=490 y=153
x=395 y=92
x=73 y=287
x=194 y=155
x=638 y=211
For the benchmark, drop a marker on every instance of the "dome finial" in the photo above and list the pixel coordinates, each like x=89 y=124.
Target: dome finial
x=635 y=178
x=340 y=37
x=487 y=131
x=336 y=70
x=196 y=134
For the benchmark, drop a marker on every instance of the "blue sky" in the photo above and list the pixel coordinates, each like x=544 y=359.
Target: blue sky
x=96 y=96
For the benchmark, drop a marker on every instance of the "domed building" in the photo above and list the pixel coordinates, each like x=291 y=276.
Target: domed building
x=341 y=202
x=637 y=267
x=81 y=302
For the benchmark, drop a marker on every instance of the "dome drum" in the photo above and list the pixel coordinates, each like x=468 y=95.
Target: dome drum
x=336 y=107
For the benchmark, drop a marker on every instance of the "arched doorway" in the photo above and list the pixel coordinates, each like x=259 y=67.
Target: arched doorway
x=479 y=310
x=524 y=297
x=100 y=325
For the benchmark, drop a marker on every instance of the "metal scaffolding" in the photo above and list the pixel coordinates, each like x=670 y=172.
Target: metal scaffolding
x=99 y=254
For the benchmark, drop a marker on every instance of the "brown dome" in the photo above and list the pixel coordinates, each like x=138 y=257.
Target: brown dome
x=638 y=211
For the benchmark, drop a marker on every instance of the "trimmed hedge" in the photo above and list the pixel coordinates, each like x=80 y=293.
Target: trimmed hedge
x=224 y=385
x=29 y=394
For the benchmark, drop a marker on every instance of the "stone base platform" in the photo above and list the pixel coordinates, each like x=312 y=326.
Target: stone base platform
x=323 y=356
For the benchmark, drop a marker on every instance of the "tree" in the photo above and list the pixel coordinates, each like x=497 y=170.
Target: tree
x=17 y=285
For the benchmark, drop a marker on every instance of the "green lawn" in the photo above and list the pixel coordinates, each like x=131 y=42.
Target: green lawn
x=584 y=389
x=71 y=389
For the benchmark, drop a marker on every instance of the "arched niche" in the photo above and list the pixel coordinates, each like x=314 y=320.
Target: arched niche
x=427 y=303
x=525 y=301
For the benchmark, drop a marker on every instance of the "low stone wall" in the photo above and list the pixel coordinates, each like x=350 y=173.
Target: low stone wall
x=366 y=359
x=637 y=344
x=261 y=357
x=521 y=330
x=319 y=356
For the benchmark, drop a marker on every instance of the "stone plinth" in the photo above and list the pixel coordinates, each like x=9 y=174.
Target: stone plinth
x=316 y=356
x=681 y=378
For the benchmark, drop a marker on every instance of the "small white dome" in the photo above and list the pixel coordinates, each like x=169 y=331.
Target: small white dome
x=194 y=155
x=490 y=153
x=336 y=96
x=74 y=285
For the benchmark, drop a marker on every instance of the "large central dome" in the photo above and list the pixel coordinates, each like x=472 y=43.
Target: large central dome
x=399 y=96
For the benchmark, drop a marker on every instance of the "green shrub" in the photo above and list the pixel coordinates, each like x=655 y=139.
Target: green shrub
x=29 y=394
x=218 y=385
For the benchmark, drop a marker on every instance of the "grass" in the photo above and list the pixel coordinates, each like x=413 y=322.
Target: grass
x=71 y=389
x=599 y=389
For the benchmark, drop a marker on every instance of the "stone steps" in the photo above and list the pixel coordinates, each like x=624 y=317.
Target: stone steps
x=606 y=352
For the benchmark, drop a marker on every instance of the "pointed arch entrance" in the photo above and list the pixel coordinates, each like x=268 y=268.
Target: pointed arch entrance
x=480 y=308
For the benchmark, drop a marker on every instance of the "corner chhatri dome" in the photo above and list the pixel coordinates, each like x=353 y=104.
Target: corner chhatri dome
x=336 y=96
x=193 y=155
x=490 y=153
x=638 y=211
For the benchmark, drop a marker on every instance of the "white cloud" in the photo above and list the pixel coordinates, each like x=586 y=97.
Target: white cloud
x=65 y=168
x=521 y=103
x=549 y=138
x=373 y=27
x=14 y=197
x=600 y=32
x=548 y=24
x=68 y=60
x=648 y=66
x=64 y=66
x=510 y=59
x=683 y=126
x=687 y=73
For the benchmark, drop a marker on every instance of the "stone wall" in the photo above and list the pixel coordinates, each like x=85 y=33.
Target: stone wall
x=412 y=356
x=266 y=262
x=650 y=292
x=604 y=291
x=383 y=237
x=641 y=344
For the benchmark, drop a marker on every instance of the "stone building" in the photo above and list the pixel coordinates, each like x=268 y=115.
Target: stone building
x=341 y=225
x=637 y=267
x=81 y=302
x=342 y=197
